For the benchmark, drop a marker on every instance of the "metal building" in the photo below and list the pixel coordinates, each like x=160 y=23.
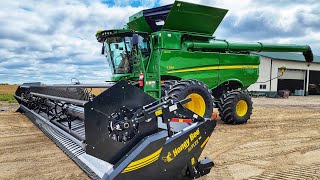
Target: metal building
x=300 y=78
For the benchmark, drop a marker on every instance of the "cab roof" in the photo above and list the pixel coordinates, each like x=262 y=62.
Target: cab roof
x=102 y=35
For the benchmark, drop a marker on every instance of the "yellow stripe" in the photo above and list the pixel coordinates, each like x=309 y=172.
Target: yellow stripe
x=143 y=162
x=215 y=68
x=137 y=162
x=205 y=142
x=141 y=165
x=240 y=67
x=195 y=69
x=128 y=169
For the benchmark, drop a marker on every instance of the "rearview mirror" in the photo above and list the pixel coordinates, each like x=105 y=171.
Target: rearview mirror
x=102 y=49
x=135 y=39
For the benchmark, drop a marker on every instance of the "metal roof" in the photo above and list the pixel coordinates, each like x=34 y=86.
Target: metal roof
x=287 y=56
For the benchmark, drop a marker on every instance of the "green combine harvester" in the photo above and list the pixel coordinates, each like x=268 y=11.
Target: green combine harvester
x=172 y=47
x=156 y=116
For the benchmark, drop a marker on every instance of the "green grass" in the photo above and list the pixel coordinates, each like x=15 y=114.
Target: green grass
x=8 y=98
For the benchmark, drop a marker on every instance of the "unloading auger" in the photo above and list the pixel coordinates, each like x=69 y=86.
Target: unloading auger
x=121 y=133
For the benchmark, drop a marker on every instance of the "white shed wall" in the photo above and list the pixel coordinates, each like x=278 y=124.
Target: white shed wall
x=264 y=75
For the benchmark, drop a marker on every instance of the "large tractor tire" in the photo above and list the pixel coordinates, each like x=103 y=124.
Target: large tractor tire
x=202 y=102
x=166 y=85
x=235 y=107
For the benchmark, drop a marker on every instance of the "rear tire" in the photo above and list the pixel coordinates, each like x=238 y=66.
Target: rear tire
x=235 y=107
x=202 y=100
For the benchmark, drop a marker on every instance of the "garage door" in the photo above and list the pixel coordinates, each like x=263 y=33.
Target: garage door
x=292 y=74
x=291 y=80
x=314 y=82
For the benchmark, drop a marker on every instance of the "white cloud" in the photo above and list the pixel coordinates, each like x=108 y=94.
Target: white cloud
x=145 y=3
x=55 y=38
x=53 y=41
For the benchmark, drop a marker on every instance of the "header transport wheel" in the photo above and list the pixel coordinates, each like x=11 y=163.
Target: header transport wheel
x=235 y=107
x=201 y=103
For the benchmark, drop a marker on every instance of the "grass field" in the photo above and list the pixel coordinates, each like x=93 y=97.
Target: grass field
x=7 y=92
x=7 y=97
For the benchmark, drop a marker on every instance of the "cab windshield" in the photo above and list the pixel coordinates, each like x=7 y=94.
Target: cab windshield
x=119 y=53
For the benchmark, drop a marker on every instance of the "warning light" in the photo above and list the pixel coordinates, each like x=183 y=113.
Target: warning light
x=214 y=116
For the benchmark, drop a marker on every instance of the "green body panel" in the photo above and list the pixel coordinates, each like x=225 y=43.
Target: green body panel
x=243 y=69
x=119 y=77
x=168 y=40
x=174 y=60
x=208 y=67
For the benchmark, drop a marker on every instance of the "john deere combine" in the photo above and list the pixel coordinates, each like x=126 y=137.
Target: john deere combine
x=155 y=117
x=173 y=49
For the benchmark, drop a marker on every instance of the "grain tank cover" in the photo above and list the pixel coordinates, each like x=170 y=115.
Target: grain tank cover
x=194 y=18
x=180 y=16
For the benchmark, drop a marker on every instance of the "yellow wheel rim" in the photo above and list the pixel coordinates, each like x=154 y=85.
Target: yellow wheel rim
x=242 y=108
x=197 y=104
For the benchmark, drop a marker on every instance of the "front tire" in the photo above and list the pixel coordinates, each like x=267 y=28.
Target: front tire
x=202 y=102
x=235 y=107
x=166 y=86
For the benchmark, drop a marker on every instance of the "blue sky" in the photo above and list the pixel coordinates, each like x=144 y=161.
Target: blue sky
x=54 y=41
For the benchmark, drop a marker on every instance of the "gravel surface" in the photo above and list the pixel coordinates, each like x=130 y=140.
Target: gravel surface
x=26 y=153
x=281 y=141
